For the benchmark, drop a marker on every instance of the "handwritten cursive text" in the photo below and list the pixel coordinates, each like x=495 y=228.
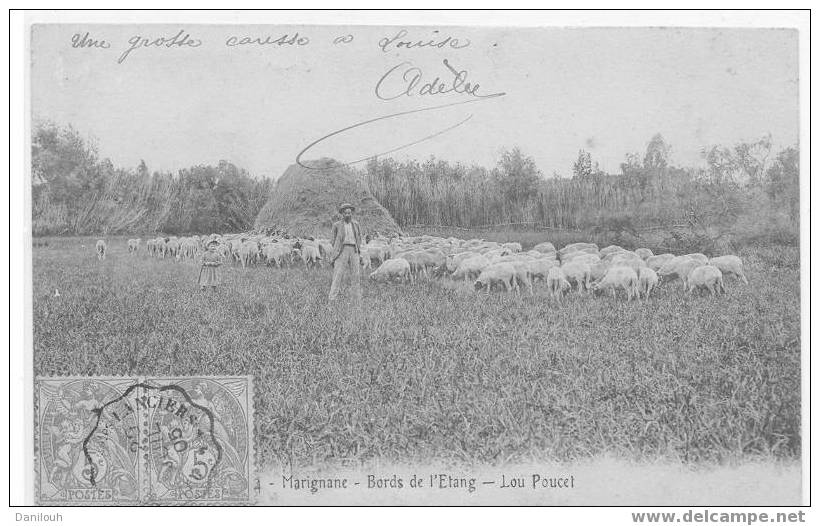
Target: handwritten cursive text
x=85 y=41
x=181 y=39
x=284 y=40
x=394 y=42
x=406 y=80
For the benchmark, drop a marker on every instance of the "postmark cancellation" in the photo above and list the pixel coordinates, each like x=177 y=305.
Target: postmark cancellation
x=136 y=440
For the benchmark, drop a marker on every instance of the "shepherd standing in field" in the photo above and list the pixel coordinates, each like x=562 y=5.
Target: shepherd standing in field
x=211 y=261
x=346 y=237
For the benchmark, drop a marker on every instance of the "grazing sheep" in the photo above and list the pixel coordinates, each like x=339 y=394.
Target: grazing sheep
x=730 y=265
x=188 y=247
x=392 y=269
x=248 y=253
x=599 y=270
x=367 y=263
x=325 y=248
x=454 y=260
x=557 y=282
x=311 y=256
x=581 y=257
x=578 y=272
x=671 y=269
x=647 y=280
x=133 y=245
x=512 y=247
x=572 y=247
x=522 y=275
x=570 y=254
x=657 y=262
x=619 y=277
x=634 y=263
x=159 y=247
x=545 y=248
x=623 y=255
x=503 y=273
x=470 y=268
x=685 y=270
x=102 y=248
x=539 y=268
x=235 y=245
x=706 y=276
x=171 y=247
x=701 y=258
x=275 y=253
x=534 y=254
x=416 y=260
x=433 y=260
x=644 y=253
x=611 y=249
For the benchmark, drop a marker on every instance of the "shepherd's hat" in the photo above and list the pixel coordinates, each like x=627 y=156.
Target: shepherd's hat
x=345 y=206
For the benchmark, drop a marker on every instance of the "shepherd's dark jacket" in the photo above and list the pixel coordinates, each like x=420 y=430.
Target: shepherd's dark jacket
x=337 y=237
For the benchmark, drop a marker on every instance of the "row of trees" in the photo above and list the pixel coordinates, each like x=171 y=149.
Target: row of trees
x=747 y=190
x=76 y=192
x=744 y=185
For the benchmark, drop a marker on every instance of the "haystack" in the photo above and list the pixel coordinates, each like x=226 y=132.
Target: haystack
x=305 y=201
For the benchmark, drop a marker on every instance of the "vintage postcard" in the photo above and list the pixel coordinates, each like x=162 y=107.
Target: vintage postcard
x=284 y=261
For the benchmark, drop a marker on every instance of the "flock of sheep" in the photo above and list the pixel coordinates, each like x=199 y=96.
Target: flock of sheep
x=486 y=264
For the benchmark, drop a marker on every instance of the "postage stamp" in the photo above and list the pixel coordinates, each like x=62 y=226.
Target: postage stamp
x=136 y=440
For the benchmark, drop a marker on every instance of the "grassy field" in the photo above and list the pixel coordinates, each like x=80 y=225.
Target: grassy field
x=434 y=372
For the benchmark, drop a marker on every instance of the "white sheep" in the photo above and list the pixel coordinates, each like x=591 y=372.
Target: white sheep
x=503 y=273
x=672 y=268
x=248 y=253
x=582 y=257
x=619 y=277
x=539 y=268
x=545 y=248
x=557 y=282
x=623 y=255
x=644 y=253
x=391 y=269
x=512 y=247
x=657 y=262
x=647 y=280
x=706 y=276
x=326 y=248
x=572 y=247
x=522 y=275
x=172 y=247
x=470 y=268
x=454 y=260
x=611 y=249
x=599 y=270
x=102 y=248
x=159 y=247
x=566 y=256
x=274 y=253
x=134 y=245
x=579 y=273
x=312 y=256
x=730 y=265
x=701 y=258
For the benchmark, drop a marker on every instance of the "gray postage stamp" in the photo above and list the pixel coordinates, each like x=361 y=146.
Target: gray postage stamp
x=126 y=441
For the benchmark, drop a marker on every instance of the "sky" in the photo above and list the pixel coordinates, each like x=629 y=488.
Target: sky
x=606 y=90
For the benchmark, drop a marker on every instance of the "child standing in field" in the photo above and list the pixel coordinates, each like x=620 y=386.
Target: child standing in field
x=211 y=261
